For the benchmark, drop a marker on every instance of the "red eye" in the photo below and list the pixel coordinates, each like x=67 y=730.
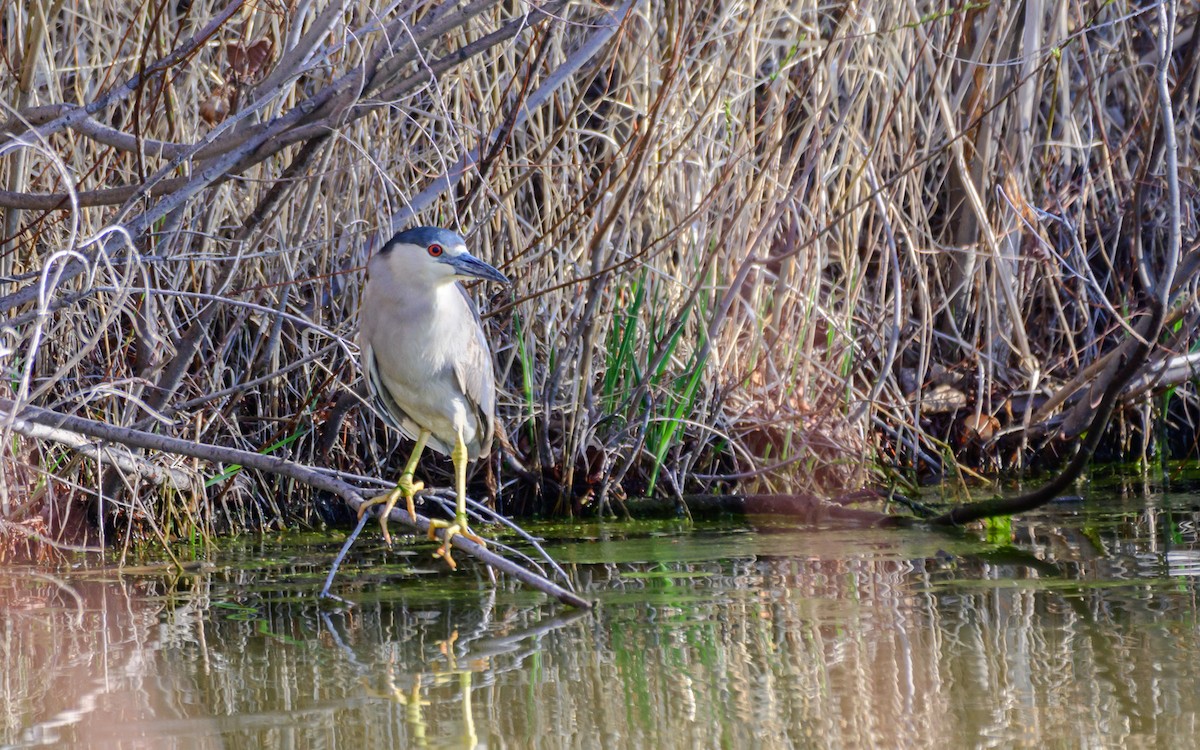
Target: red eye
x=435 y=250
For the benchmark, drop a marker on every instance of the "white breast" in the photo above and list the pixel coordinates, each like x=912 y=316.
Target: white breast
x=415 y=358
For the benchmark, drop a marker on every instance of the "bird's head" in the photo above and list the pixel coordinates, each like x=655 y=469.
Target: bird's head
x=431 y=256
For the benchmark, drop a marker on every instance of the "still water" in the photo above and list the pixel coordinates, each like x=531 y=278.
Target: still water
x=1082 y=632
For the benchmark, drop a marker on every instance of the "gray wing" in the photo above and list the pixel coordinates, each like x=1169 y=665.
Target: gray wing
x=382 y=398
x=477 y=379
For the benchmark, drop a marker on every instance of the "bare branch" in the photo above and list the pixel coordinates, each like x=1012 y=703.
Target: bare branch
x=273 y=465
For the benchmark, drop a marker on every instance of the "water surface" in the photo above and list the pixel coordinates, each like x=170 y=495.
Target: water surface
x=1080 y=633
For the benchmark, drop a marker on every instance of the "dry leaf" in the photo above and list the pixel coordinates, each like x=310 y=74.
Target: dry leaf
x=216 y=107
x=979 y=427
x=246 y=61
x=942 y=399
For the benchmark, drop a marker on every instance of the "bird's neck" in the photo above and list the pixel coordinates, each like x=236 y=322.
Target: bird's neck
x=446 y=294
x=426 y=307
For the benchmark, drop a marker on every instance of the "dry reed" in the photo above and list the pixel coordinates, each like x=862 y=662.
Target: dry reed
x=787 y=246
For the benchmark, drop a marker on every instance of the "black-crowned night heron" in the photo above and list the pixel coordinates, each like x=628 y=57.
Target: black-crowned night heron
x=427 y=362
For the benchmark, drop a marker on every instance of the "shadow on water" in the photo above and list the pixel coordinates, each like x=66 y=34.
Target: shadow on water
x=1081 y=632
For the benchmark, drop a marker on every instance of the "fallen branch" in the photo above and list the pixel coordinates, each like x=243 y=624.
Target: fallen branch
x=1123 y=372
x=12 y=416
x=126 y=461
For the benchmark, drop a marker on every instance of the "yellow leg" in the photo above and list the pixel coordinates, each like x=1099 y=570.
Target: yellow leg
x=460 y=526
x=405 y=488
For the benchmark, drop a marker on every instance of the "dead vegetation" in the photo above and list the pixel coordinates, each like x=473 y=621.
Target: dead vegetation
x=776 y=246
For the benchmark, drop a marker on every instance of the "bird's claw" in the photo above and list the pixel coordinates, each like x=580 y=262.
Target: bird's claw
x=406 y=488
x=458 y=526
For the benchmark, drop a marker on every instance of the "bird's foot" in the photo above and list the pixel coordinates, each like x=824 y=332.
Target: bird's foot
x=458 y=526
x=406 y=488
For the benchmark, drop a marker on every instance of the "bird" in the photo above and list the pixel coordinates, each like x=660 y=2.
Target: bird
x=427 y=362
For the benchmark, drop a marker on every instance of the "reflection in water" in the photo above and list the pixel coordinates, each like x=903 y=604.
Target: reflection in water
x=1084 y=634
